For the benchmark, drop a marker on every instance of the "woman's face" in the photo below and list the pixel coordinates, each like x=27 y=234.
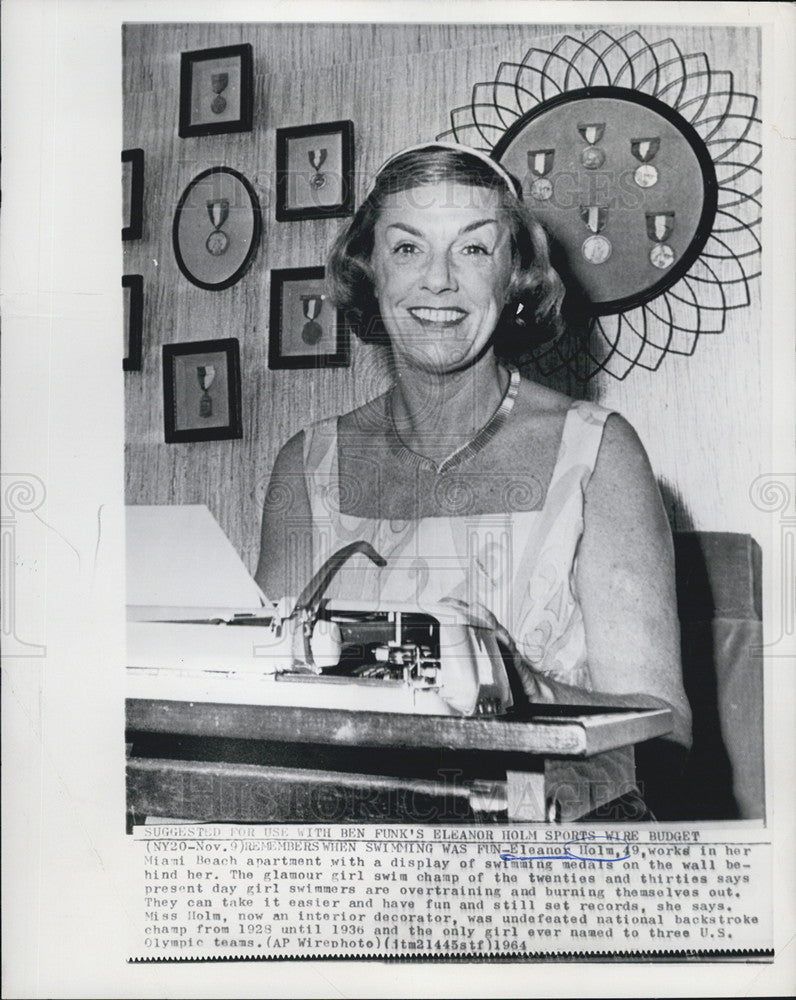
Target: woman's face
x=442 y=265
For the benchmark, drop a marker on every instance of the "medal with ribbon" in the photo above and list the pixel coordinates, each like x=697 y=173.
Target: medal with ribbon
x=644 y=151
x=206 y=375
x=217 y=241
x=659 y=228
x=317 y=158
x=311 y=306
x=596 y=249
x=219 y=82
x=540 y=163
x=592 y=157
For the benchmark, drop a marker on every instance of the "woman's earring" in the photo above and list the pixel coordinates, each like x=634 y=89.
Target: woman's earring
x=519 y=320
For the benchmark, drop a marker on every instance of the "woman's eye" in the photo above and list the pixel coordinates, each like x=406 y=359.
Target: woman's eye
x=405 y=249
x=475 y=250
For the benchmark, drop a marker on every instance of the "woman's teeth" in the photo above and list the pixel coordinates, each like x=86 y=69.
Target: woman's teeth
x=438 y=315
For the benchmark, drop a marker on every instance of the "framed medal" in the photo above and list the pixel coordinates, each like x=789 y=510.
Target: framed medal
x=133 y=291
x=216 y=91
x=306 y=330
x=132 y=194
x=202 y=391
x=315 y=171
x=216 y=228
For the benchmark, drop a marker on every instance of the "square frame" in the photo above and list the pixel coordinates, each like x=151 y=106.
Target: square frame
x=291 y=206
x=133 y=194
x=133 y=333
x=201 y=61
x=180 y=391
x=337 y=334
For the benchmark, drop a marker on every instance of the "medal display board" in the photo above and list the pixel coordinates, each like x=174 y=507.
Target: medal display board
x=622 y=182
x=643 y=162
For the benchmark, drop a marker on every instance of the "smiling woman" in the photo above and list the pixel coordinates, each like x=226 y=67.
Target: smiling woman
x=532 y=511
x=441 y=273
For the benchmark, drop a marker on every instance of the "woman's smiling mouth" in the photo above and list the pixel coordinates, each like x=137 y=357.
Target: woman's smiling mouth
x=437 y=317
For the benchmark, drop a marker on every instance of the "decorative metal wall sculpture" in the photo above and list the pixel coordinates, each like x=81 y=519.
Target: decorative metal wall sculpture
x=643 y=164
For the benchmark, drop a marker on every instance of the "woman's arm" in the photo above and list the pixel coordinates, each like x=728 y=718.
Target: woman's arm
x=625 y=580
x=285 y=562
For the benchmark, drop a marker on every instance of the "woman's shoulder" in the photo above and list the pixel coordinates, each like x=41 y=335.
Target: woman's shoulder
x=365 y=420
x=536 y=399
x=538 y=403
x=356 y=423
x=596 y=435
x=622 y=454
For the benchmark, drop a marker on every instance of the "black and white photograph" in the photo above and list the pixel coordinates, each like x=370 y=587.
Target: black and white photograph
x=441 y=558
x=499 y=525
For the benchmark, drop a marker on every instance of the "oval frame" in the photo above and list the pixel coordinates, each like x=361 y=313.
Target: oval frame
x=707 y=217
x=243 y=267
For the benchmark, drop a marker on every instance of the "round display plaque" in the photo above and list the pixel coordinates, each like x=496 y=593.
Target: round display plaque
x=630 y=189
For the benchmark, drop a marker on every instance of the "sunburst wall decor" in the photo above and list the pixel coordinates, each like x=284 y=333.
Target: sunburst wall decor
x=644 y=165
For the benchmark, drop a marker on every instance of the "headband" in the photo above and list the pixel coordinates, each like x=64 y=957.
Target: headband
x=456 y=147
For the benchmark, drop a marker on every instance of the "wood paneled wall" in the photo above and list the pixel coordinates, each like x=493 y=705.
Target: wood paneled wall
x=701 y=417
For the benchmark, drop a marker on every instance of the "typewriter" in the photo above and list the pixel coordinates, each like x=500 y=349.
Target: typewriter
x=310 y=652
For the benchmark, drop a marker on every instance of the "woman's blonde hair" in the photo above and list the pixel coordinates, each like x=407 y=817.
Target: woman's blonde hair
x=533 y=311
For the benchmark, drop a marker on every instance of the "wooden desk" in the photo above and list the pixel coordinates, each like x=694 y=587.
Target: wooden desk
x=232 y=790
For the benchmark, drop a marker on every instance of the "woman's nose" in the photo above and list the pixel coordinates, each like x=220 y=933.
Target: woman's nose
x=438 y=275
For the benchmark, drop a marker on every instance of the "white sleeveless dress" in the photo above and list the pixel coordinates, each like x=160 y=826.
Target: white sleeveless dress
x=519 y=565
